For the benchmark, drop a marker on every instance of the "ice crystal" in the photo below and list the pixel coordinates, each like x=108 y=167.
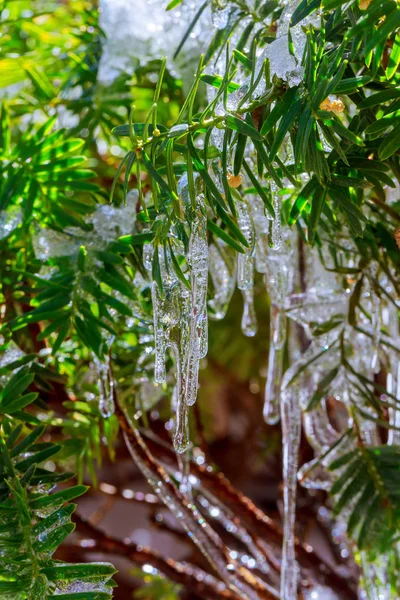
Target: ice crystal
x=10 y=219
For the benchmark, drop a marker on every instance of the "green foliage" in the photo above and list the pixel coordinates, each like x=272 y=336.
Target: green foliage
x=34 y=522
x=67 y=309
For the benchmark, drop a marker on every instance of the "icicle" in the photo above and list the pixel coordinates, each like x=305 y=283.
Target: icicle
x=171 y=313
x=198 y=261
x=179 y=344
x=180 y=316
x=292 y=396
x=245 y=271
x=276 y=228
x=245 y=268
x=181 y=435
x=291 y=427
x=279 y=284
x=261 y=222
x=249 y=319
x=226 y=518
x=375 y=309
x=220 y=13
x=245 y=274
x=393 y=387
x=271 y=399
x=222 y=266
x=188 y=516
x=274 y=375
x=165 y=314
x=105 y=386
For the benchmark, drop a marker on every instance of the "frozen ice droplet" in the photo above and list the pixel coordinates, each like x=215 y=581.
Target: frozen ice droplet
x=198 y=262
x=105 y=385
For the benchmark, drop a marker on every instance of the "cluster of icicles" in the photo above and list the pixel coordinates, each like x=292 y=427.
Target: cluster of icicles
x=180 y=313
x=181 y=323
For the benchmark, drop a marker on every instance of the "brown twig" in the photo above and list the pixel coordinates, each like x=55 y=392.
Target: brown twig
x=198 y=581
